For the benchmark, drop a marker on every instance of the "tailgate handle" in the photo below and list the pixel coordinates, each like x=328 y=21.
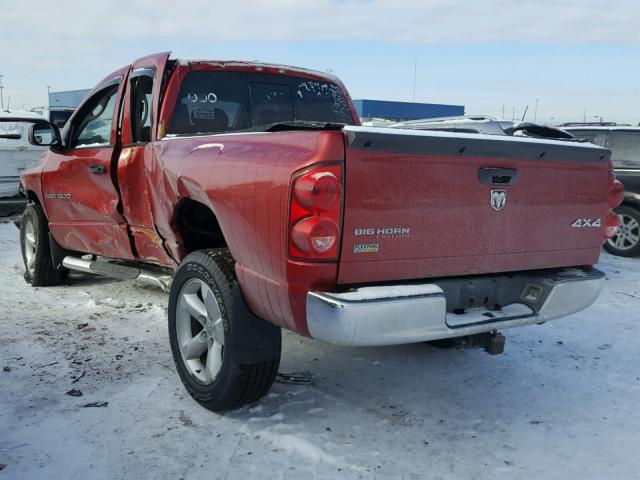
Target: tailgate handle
x=98 y=169
x=497 y=176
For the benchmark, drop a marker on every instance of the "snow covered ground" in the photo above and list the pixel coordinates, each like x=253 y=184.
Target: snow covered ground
x=562 y=402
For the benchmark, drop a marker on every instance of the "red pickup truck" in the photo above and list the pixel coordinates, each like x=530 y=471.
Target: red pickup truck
x=252 y=193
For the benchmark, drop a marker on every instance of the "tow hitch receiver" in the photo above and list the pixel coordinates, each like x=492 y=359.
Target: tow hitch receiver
x=492 y=342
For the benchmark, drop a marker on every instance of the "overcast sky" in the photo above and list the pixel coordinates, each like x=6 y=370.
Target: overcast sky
x=570 y=54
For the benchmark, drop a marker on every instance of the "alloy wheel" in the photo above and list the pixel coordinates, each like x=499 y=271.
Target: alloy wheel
x=628 y=235
x=200 y=331
x=29 y=245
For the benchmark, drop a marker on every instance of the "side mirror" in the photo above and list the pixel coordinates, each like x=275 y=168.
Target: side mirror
x=44 y=134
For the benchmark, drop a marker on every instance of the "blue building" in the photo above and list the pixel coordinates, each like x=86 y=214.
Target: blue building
x=63 y=104
x=405 y=110
x=67 y=99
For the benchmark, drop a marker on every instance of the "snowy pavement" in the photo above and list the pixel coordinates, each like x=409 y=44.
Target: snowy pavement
x=562 y=402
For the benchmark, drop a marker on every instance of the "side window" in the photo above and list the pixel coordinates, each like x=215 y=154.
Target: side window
x=94 y=126
x=625 y=149
x=271 y=102
x=141 y=102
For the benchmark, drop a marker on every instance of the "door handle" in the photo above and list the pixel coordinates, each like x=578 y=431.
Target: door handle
x=98 y=169
x=497 y=176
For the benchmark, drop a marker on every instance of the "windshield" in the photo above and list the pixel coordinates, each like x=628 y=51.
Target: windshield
x=214 y=101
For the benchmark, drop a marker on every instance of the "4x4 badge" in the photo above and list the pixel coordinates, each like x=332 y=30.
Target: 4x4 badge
x=498 y=199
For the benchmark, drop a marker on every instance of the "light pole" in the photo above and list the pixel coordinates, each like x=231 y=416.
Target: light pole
x=535 y=112
x=415 y=75
x=1 y=88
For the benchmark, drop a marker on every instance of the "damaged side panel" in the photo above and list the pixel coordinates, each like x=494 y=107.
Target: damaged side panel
x=141 y=187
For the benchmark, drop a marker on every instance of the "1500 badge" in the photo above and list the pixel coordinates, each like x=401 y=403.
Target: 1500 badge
x=586 y=223
x=57 y=196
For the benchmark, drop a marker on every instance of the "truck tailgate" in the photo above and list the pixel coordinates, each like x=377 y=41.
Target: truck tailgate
x=428 y=204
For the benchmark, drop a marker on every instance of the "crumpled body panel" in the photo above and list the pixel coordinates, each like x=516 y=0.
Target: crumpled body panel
x=244 y=179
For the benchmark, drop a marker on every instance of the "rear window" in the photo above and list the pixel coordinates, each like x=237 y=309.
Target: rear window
x=17 y=131
x=625 y=149
x=215 y=102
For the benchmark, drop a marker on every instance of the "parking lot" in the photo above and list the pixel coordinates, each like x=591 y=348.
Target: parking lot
x=563 y=400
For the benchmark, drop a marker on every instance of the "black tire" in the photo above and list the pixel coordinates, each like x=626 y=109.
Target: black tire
x=245 y=375
x=631 y=249
x=41 y=272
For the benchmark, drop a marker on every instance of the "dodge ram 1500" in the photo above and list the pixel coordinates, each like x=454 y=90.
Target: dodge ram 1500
x=252 y=194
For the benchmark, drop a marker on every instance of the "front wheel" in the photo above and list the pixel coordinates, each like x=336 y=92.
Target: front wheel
x=205 y=329
x=627 y=241
x=36 y=253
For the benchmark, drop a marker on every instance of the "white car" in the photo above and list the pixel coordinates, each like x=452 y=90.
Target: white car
x=16 y=155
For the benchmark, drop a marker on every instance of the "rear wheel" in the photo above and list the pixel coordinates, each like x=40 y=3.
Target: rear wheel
x=204 y=331
x=627 y=242
x=36 y=253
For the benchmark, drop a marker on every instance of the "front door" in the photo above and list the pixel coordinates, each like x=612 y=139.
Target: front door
x=138 y=172
x=79 y=183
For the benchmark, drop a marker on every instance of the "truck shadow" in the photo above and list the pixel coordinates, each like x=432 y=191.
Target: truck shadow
x=425 y=387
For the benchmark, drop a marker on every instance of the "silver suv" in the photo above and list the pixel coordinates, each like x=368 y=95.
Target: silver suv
x=16 y=155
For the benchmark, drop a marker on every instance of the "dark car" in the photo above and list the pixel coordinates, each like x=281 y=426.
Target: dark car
x=624 y=143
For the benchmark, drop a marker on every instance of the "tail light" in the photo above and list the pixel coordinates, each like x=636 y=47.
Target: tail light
x=611 y=225
x=615 y=196
x=315 y=213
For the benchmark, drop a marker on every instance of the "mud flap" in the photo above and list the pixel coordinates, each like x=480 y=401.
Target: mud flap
x=260 y=340
x=58 y=253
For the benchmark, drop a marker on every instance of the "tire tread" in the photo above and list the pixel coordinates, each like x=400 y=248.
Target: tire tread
x=249 y=381
x=633 y=251
x=44 y=272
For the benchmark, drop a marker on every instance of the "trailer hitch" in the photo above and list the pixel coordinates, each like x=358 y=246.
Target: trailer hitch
x=492 y=342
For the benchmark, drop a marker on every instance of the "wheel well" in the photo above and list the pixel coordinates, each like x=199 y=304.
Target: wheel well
x=198 y=226
x=631 y=204
x=32 y=197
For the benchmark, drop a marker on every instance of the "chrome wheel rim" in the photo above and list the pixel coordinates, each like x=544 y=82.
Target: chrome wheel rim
x=200 y=331
x=29 y=245
x=628 y=235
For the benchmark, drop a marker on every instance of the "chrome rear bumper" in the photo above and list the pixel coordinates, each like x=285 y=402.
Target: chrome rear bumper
x=390 y=315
